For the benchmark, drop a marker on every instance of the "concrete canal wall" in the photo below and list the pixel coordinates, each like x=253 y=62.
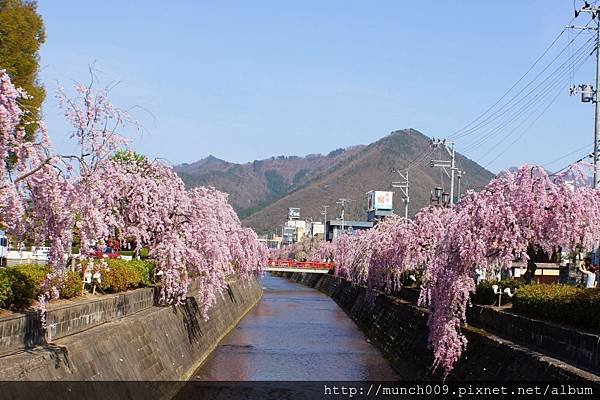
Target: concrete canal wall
x=399 y=329
x=122 y=337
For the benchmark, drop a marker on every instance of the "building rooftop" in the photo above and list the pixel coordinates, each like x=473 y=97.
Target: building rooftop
x=362 y=224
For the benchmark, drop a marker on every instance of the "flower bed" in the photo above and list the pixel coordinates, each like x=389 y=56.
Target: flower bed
x=560 y=303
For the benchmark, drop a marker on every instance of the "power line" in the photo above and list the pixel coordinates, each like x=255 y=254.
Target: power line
x=568 y=154
x=515 y=129
x=525 y=131
x=573 y=163
x=538 y=96
x=492 y=118
x=454 y=135
x=469 y=127
x=554 y=77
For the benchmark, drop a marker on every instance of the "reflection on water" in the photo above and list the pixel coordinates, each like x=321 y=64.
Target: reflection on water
x=295 y=333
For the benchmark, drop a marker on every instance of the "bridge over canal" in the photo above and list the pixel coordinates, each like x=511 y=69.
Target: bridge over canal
x=312 y=267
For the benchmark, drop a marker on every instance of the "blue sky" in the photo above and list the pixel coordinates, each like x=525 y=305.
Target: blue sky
x=248 y=80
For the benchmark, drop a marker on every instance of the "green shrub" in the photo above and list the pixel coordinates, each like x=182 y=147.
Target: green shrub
x=484 y=293
x=144 y=251
x=145 y=269
x=25 y=283
x=561 y=303
x=20 y=285
x=5 y=289
x=71 y=286
x=120 y=276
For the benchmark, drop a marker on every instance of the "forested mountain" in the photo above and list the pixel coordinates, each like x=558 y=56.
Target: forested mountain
x=262 y=191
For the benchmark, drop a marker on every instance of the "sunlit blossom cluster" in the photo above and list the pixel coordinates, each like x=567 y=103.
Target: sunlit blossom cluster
x=104 y=192
x=517 y=212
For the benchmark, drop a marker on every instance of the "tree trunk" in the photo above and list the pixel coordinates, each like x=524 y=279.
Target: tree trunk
x=531 y=266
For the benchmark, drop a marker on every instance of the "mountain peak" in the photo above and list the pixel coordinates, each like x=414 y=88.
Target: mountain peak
x=206 y=163
x=212 y=160
x=261 y=191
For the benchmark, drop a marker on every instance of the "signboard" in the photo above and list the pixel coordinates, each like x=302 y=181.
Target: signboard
x=377 y=200
x=318 y=229
x=293 y=213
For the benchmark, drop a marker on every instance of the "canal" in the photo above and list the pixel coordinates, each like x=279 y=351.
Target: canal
x=295 y=333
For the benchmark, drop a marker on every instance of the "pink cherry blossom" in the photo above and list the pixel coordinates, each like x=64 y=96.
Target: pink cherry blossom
x=106 y=192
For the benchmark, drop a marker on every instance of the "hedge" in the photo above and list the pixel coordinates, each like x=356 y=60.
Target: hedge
x=560 y=303
x=5 y=289
x=484 y=293
x=20 y=285
x=72 y=285
x=122 y=275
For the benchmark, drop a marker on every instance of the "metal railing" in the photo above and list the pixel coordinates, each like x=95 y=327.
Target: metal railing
x=300 y=264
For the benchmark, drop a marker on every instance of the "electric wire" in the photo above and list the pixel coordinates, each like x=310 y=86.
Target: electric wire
x=524 y=131
x=457 y=132
x=558 y=83
x=556 y=78
x=590 y=145
x=485 y=121
x=556 y=74
x=533 y=97
x=570 y=164
x=527 y=128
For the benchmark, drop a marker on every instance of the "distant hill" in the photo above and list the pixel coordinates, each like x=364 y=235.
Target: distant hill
x=263 y=190
x=254 y=185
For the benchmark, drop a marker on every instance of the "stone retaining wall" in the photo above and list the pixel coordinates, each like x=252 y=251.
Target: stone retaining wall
x=569 y=344
x=156 y=343
x=21 y=331
x=399 y=329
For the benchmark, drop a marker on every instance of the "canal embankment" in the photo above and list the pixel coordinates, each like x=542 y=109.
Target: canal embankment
x=295 y=333
x=122 y=338
x=398 y=327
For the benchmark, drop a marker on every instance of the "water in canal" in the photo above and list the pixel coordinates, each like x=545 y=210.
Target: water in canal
x=295 y=333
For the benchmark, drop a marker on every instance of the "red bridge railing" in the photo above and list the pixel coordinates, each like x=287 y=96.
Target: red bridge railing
x=300 y=264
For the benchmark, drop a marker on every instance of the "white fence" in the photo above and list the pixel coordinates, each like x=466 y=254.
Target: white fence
x=37 y=255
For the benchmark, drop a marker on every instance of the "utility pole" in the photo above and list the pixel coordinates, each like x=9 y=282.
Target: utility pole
x=449 y=147
x=589 y=93
x=459 y=175
x=324 y=213
x=403 y=186
x=342 y=203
